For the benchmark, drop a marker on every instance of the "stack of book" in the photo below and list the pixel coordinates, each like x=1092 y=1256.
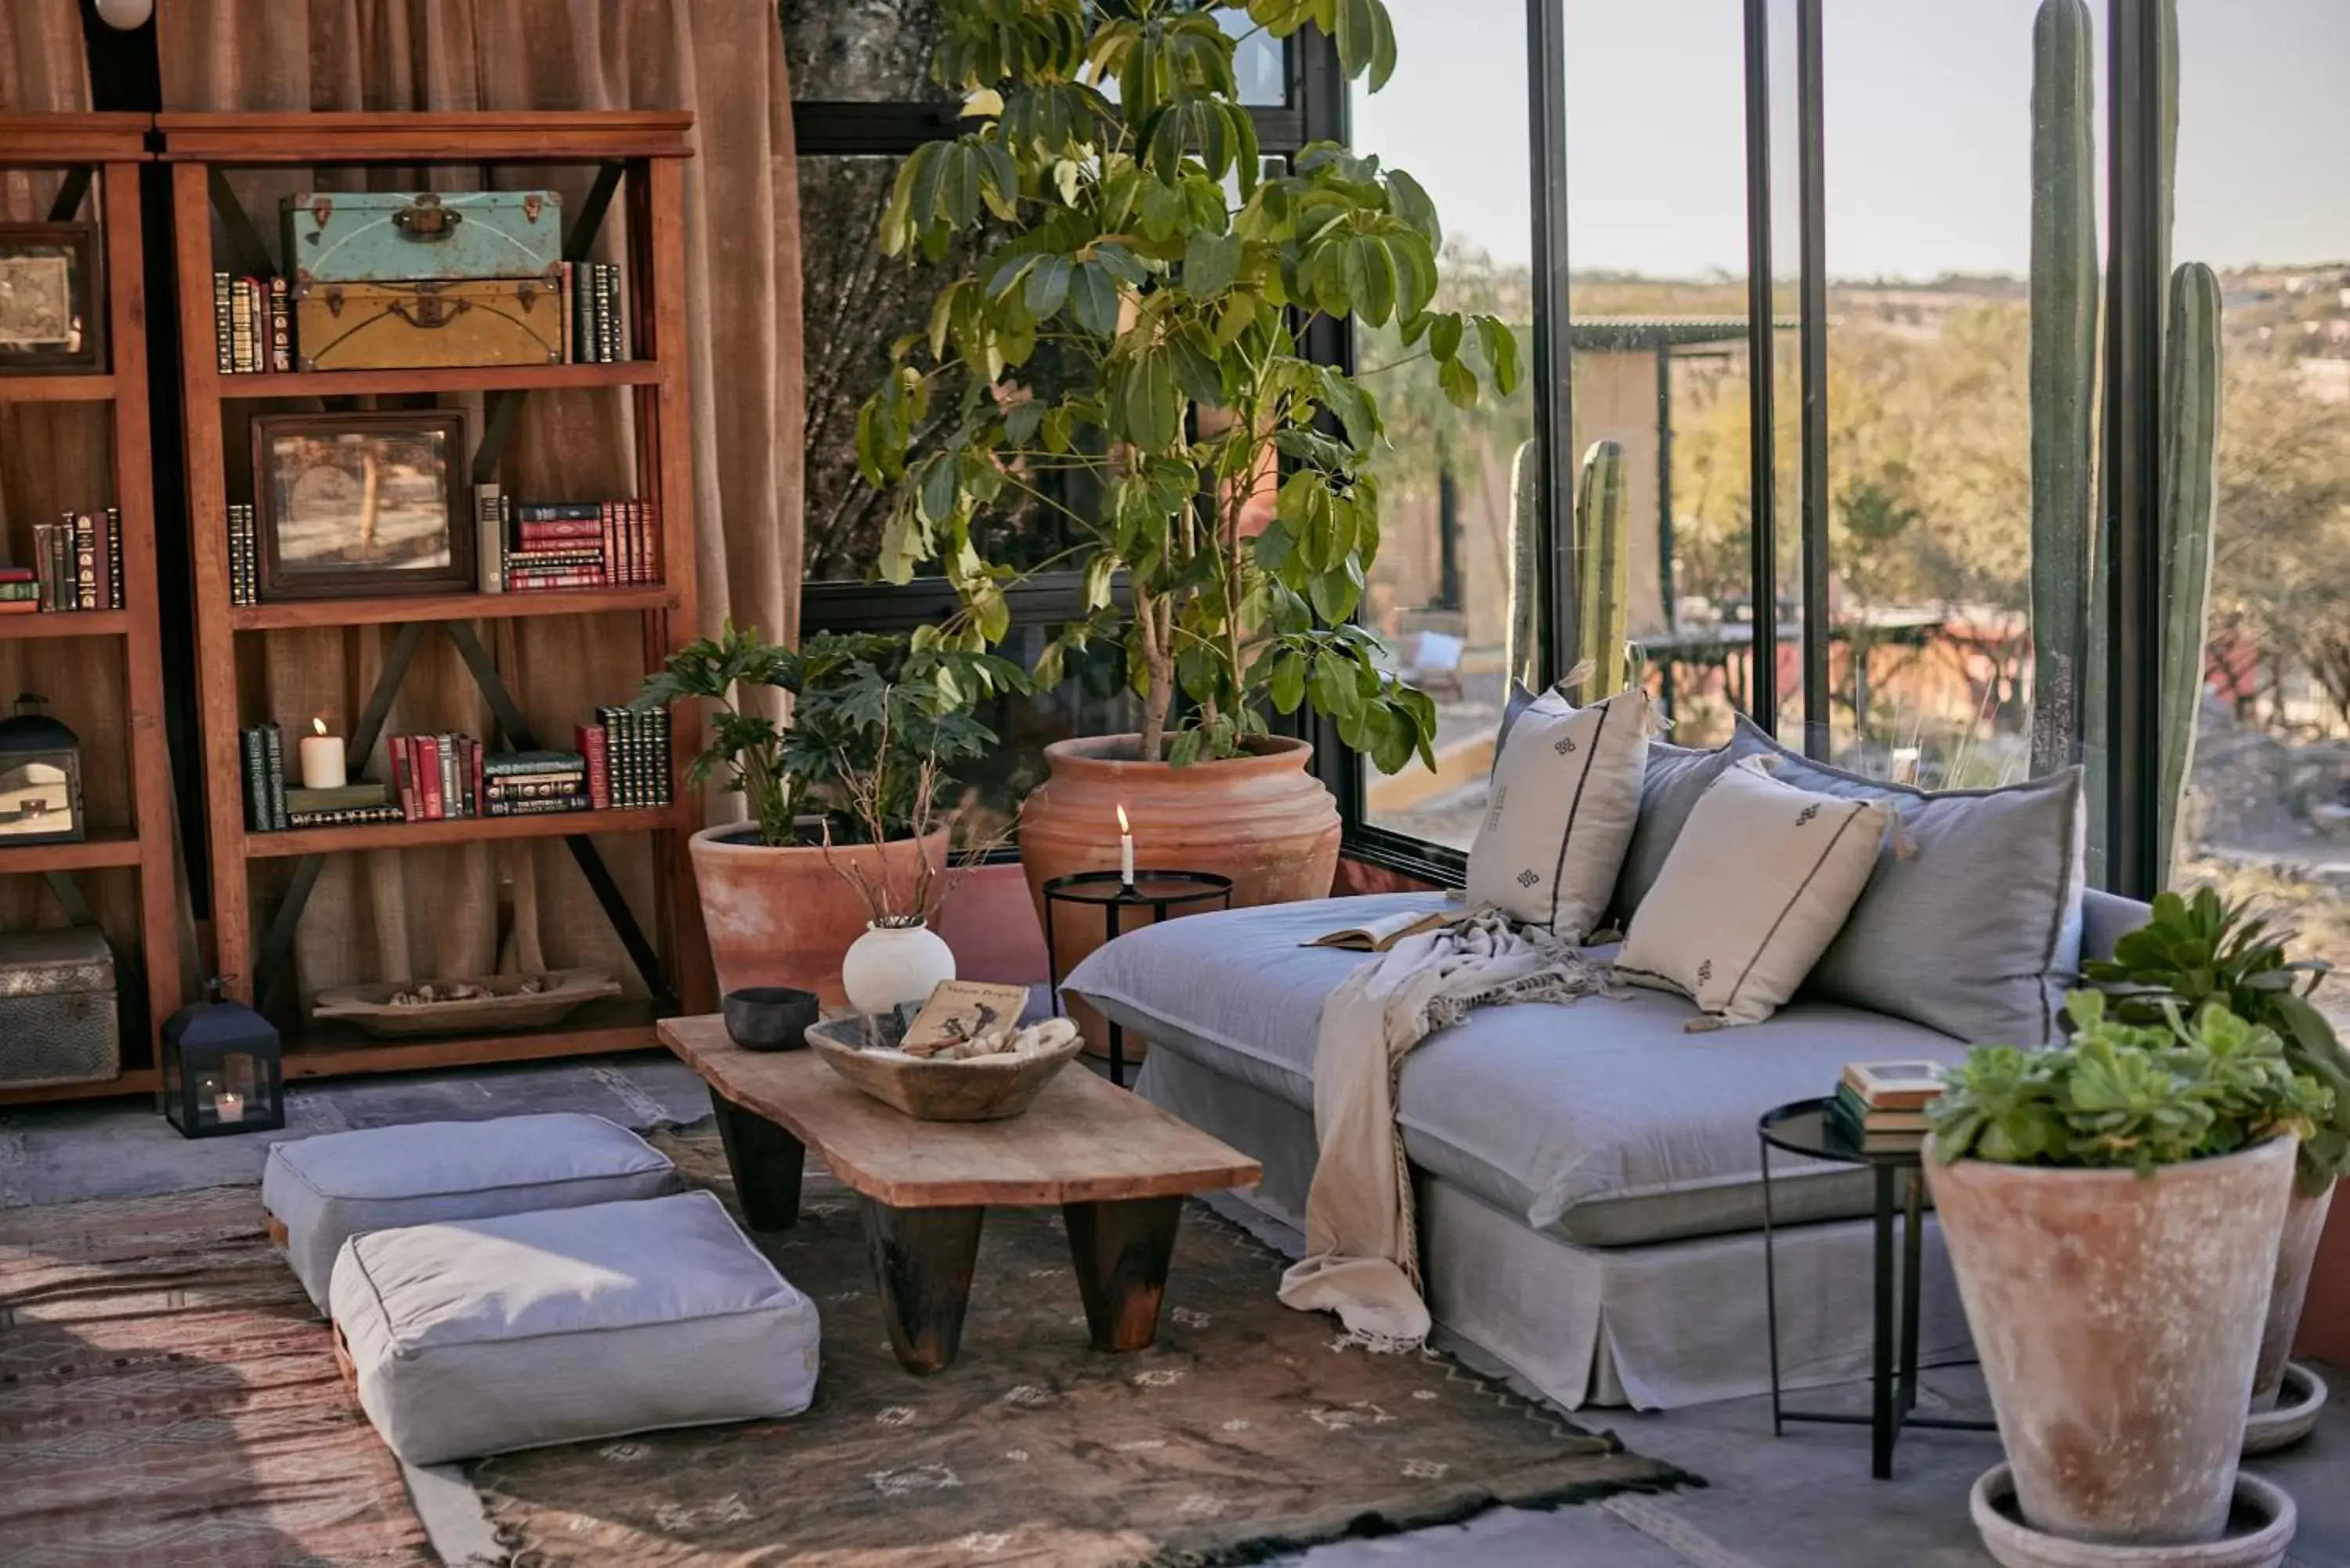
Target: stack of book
x=598 y=326
x=76 y=566
x=342 y=806
x=1880 y=1106
x=531 y=783
x=244 y=555
x=263 y=750
x=541 y=546
x=253 y=324
x=438 y=777
x=627 y=751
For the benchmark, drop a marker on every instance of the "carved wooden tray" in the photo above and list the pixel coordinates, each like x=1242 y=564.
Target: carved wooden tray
x=370 y=1008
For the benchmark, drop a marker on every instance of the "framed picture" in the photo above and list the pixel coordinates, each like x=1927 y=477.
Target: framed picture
x=362 y=506
x=52 y=311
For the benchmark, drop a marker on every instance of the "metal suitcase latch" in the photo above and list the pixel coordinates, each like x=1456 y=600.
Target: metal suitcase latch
x=431 y=309
x=426 y=219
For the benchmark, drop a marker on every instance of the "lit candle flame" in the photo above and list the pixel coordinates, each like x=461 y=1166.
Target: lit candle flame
x=319 y=725
x=1122 y=828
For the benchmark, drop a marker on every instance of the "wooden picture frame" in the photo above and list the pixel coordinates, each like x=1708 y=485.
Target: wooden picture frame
x=52 y=301
x=363 y=505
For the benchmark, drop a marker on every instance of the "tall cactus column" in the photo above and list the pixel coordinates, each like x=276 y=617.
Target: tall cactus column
x=1603 y=562
x=2064 y=375
x=2191 y=491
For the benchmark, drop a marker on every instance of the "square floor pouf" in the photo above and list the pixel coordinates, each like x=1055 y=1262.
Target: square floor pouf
x=321 y=1191
x=481 y=1335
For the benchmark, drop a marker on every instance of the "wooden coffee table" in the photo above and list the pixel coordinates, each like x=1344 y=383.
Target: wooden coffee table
x=1118 y=1167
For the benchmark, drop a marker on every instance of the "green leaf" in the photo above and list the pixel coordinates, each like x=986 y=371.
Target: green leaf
x=1500 y=347
x=1210 y=262
x=938 y=490
x=1409 y=200
x=1196 y=371
x=1092 y=299
x=1287 y=681
x=1184 y=749
x=1460 y=383
x=1049 y=286
x=1353 y=406
x=1444 y=336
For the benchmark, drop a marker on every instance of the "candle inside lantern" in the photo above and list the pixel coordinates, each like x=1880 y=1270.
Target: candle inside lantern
x=322 y=759
x=228 y=1105
x=1125 y=849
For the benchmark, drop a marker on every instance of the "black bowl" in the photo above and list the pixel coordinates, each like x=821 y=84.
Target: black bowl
x=770 y=1017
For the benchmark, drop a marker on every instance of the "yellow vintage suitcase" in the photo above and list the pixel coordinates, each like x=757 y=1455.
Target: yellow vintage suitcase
x=409 y=326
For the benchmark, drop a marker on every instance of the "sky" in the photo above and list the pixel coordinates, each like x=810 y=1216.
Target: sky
x=1928 y=149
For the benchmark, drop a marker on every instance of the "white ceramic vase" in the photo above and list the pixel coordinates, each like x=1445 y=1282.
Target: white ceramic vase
x=892 y=964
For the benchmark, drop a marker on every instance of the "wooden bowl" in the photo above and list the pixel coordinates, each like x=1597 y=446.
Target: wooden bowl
x=979 y=1090
x=369 y=1006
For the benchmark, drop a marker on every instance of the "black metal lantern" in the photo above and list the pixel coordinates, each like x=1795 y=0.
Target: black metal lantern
x=222 y=1072
x=40 y=778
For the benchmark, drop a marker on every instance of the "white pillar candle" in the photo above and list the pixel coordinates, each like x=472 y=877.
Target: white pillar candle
x=322 y=759
x=228 y=1105
x=1125 y=849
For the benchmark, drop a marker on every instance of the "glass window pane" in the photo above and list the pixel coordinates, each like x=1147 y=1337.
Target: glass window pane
x=875 y=51
x=2265 y=810
x=1094 y=699
x=1658 y=292
x=1439 y=591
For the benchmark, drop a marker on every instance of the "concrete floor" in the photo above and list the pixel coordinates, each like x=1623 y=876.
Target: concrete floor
x=1805 y=1500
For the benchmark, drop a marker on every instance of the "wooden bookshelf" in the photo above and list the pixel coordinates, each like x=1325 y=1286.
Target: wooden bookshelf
x=109 y=149
x=638 y=158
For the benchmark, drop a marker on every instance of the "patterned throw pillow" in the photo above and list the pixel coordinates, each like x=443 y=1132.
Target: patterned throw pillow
x=1756 y=886
x=1566 y=793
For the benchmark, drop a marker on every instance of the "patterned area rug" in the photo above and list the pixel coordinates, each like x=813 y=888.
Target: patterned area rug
x=1246 y=1430
x=166 y=1397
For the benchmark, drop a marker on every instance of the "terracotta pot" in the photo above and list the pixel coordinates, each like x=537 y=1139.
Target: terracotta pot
x=1261 y=819
x=2305 y=1222
x=2117 y=1318
x=784 y=917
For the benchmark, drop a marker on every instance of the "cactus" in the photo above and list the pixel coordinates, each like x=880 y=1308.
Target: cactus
x=1521 y=655
x=1603 y=565
x=2191 y=438
x=2063 y=376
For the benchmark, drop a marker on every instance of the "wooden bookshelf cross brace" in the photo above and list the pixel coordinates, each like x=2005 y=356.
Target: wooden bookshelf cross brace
x=278 y=945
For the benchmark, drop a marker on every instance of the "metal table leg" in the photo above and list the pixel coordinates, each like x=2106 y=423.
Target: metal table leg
x=1881 y=1420
x=1771 y=1294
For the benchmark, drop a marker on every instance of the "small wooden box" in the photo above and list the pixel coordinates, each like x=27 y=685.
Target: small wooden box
x=58 y=1022
x=381 y=236
x=428 y=325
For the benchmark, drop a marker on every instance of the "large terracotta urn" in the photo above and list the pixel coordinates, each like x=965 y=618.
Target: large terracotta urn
x=785 y=916
x=2305 y=1222
x=2119 y=1318
x=1261 y=819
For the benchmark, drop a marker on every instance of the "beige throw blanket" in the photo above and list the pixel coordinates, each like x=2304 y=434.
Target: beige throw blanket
x=1362 y=1253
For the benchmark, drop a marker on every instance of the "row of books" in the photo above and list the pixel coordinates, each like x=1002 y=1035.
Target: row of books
x=537 y=546
x=253 y=324
x=76 y=566
x=244 y=554
x=622 y=761
x=1879 y=1107
x=597 y=323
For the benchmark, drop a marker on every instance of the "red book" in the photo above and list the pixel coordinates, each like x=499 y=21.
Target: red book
x=428 y=768
x=587 y=530
x=20 y=606
x=473 y=748
x=403 y=777
x=587 y=740
x=654 y=572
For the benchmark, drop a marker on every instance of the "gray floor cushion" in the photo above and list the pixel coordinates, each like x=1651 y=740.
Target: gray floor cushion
x=1604 y=1121
x=481 y=1335
x=328 y=1188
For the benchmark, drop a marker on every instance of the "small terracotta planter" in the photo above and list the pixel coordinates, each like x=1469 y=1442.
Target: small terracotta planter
x=2119 y=1318
x=1260 y=819
x=784 y=917
x=2305 y=1222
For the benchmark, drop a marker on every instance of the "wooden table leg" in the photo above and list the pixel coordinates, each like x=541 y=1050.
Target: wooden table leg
x=766 y=1162
x=1121 y=1250
x=922 y=1259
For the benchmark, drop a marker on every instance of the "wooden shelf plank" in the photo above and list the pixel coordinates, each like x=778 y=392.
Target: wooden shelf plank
x=449 y=607
x=457 y=378
x=135 y=1081
x=57 y=389
x=64 y=623
x=462 y=830
x=59 y=141
x=107 y=847
x=503 y=136
x=331 y=1050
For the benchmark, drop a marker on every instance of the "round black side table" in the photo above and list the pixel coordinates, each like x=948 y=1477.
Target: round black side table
x=1805 y=1129
x=1158 y=891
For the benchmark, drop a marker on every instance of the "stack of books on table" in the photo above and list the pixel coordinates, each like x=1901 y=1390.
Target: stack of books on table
x=272 y=806
x=1880 y=1106
x=544 y=546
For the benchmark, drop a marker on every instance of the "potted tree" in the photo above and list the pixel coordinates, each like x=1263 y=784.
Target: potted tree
x=2112 y=1209
x=1119 y=222
x=2197 y=950
x=841 y=791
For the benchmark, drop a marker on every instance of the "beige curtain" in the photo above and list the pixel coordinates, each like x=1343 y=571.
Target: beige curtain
x=421 y=914
x=58 y=457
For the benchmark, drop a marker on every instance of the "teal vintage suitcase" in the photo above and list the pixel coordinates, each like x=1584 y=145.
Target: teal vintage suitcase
x=425 y=236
